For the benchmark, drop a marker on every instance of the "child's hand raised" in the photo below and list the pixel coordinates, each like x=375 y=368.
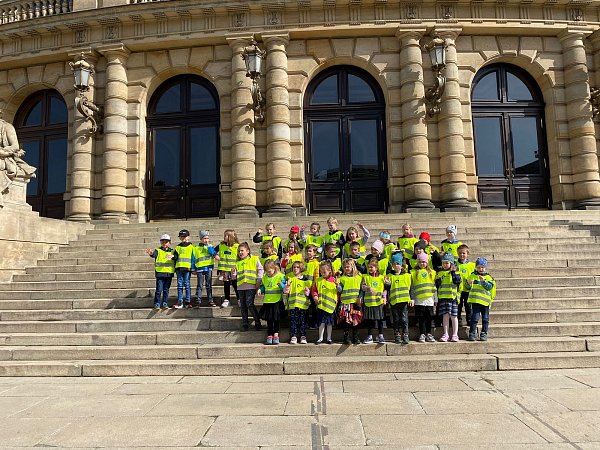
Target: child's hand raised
x=170 y=256
x=149 y=251
x=260 y=230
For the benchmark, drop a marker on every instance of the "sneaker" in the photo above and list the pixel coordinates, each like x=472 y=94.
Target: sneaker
x=276 y=339
x=303 y=340
x=356 y=340
x=454 y=338
x=225 y=303
x=165 y=306
x=422 y=338
x=319 y=341
x=483 y=336
x=397 y=339
x=294 y=340
x=212 y=304
x=189 y=305
x=269 y=340
x=405 y=339
x=329 y=341
x=380 y=339
x=472 y=337
x=368 y=340
x=444 y=338
x=430 y=338
x=178 y=306
x=157 y=306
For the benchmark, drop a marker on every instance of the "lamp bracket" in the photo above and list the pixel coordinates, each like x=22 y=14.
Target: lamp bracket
x=433 y=95
x=89 y=110
x=595 y=101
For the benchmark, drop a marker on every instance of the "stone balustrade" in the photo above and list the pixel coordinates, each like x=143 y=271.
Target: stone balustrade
x=18 y=11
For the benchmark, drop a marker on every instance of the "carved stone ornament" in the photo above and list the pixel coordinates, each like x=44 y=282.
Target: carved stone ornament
x=12 y=166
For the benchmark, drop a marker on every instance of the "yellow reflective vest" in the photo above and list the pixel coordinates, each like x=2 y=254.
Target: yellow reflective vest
x=264 y=260
x=447 y=288
x=276 y=241
x=408 y=245
x=202 y=257
x=465 y=269
x=423 y=283
x=350 y=288
x=451 y=247
x=228 y=257
x=400 y=287
x=480 y=295
x=311 y=268
x=162 y=264
x=314 y=240
x=273 y=287
x=291 y=260
x=246 y=270
x=327 y=291
x=333 y=238
x=388 y=250
x=184 y=256
x=297 y=298
x=375 y=283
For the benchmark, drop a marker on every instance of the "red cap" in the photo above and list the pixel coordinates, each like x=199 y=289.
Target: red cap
x=425 y=235
x=295 y=229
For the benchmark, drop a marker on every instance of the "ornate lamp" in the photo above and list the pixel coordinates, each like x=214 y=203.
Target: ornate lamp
x=254 y=58
x=82 y=71
x=433 y=95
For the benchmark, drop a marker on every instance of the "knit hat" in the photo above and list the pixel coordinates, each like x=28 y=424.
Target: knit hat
x=425 y=235
x=422 y=257
x=397 y=257
x=378 y=245
x=295 y=229
x=448 y=257
x=421 y=244
x=481 y=261
x=385 y=235
x=452 y=229
x=165 y=237
x=203 y=233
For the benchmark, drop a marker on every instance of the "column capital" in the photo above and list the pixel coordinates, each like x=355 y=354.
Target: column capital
x=573 y=33
x=410 y=32
x=237 y=41
x=594 y=38
x=448 y=32
x=113 y=49
x=275 y=37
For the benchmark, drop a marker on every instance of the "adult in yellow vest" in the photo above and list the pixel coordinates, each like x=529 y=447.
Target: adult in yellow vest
x=249 y=273
x=183 y=255
x=483 y=292
x=164 y=268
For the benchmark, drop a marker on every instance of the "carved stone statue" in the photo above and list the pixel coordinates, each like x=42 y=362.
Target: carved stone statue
x=12 y=167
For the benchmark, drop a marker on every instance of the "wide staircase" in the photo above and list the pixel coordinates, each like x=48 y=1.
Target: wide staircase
x=87 y=309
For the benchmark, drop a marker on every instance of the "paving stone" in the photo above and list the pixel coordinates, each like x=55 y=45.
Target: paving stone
x=523 y=381
x=29 y=432
x=289 y=386
x=353 y=403
x=9 y=406
x=476 y=402
x=59 y=390
x=133 y=388
x=576 y=426
x=406 y=386
x=576 y=399
x=221 y=404
x=535 y=402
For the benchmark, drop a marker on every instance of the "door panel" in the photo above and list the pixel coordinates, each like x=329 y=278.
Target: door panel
x=166 y=193
x=201 y=180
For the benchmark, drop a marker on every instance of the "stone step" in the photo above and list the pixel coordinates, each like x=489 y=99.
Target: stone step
x=547 y=292
x=75 y=294
x=545 y=303
x=559 y=360
x=542 y=282
x=258 y=350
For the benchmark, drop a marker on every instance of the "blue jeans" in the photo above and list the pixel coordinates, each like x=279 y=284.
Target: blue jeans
x=204 y=279
x=183 y=282
x=476 y=311
x=163 y=285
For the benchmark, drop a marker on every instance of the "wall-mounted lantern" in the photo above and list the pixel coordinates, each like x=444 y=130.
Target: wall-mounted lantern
x=433 y=96
x=254 y=58
x=82 y=71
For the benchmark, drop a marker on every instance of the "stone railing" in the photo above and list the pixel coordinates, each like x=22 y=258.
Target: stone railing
x=17 y=11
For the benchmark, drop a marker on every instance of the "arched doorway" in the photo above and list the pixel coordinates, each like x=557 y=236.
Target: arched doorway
x=183 y=150
x=41 y=124
x=345 y=147
x=510 y=141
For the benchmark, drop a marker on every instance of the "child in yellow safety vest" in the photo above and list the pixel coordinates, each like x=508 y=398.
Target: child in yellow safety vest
x=164 y=268
x=313 y=237
x=297 y=291
x=204 y=261
x=227 y=251
x=311 y=273
x=352 y=235
x=359 y=261
x=388 y=246
x=424 y=296
x=399 y=282
x=350 y=314
x=183 y=255
x=483 y=292
x=291 y=254
x=334 y=236
x=260 y=238
x=374 y=299
x=407 y=241
x=249 y=273
x=273 y=309
x=465 y=268
x=325 y=295
x=268 y=253
x=451 y=244
x=447 y=282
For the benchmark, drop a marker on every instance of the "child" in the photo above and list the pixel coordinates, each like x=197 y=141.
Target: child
x=332 y=255
x=399 y=282
x=293 y=236
x=164 y=268
x=292 y=255
x=377 y=255
x=432 y=250
x=420 y=247
x=451 y=244
x=204 y=260
x=374 y=299
x=465 y=268
x=483 y=291
x=447 y=282
x=349 y=287
x=268 y=253
x=297 y=290
x=423 y=293
x=183 y=255
x=359 y=260
x=314 y=237
x=259 y=238
x=353 y=236
x=249 y=273
x=272 y=310
x=334 y=236
x=227 y=251
x=325 y=295
x=388 y=245
x=311 y=273
x=407 y=241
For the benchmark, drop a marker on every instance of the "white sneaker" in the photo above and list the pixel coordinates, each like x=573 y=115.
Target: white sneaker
x=225 y=303
x=422 y=338
x=303 y=340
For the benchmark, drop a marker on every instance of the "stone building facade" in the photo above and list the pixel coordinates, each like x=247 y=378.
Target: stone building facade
x=526 y=138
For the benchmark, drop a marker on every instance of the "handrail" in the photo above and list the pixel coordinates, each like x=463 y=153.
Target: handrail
x=18 y=11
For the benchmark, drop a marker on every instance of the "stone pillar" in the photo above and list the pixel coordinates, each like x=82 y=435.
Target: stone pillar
x=243 y=158
x=114 y=157
x=415 y=147
x=279 y=152
x=82 y=159
x=582 y=136
x=453 y=167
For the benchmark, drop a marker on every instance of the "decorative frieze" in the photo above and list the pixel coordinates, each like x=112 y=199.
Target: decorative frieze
x=162 y=23
x=209 y=19
x=524 y=12
x=111 y=28
x=380 y=18
x=138 y=25
x=238 y=17
x=355 y=7
x=447 y=12
x=185 y=21
x=329 y=12
x=476 y=11
x=273 y=15
x=304 y=13
x=576 y=14
x=55 y=36
x=500 y=12
x=411 y=11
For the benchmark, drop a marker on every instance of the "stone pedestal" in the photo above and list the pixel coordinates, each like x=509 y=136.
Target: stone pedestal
x=14 y=198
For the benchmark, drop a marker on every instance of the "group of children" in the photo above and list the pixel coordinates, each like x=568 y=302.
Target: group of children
x=324 y=280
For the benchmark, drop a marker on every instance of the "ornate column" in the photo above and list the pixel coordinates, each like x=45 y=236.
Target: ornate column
x=243 y=170
x=279 y=152
x=114 y=157
x=582 y=136
x=82 y=158
x=451 y=144
x=415 y=146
